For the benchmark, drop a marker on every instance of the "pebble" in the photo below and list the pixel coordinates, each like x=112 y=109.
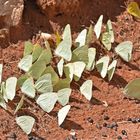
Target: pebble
x=124 y=132
x=98 y=126
x=104 y=135
x=134 y=120
x=104 y=124
x=119 y=138
x=106 y=117
x=90 y=120
x=115 y=128
x=34 y=138
x=138 y=119
x=71 y=138
x=12 y=136
x=129 y=119
x=113 y=125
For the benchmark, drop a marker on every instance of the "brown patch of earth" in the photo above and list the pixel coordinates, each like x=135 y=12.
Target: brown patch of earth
x=86 y=119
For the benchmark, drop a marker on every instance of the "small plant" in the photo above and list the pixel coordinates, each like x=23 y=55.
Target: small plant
x=48 y=72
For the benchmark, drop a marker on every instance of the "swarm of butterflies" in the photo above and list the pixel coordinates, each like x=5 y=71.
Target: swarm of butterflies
x=42 y=83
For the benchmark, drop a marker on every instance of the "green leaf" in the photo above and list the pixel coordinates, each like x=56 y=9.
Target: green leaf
x=109 y=29
x=45 y=56
x=81 y=39
x=63 y=113
x=61 y=84
x=132 y=89
x=44 y=84
x=98 y=26
x=25 y=63
x=63 y=96
x=86 y=89
x=28 y=88
x=22 y=79
x=37 y=69
x=26 y=123
x=47 y=101
x=102 y=65
x=28 y=48
x=1 y=67
x=89 y=35
x=124 y=50
x=64 y=48
x=106 y=40
x=111 y=69
x=11 y=84
x=20 y=104
x=54 y=75
x=60 y=67
x=36 y=52
x=80 y=54
x=91 y=59
x=74 y=70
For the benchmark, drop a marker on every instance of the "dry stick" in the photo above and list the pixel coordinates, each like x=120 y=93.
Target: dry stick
x=11 y=62
x=124 y=122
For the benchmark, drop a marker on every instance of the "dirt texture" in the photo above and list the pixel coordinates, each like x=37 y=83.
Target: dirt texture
x=90 y=121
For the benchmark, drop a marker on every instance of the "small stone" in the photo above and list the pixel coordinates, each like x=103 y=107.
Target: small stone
x=115 y=128
x=129 y=119
x=113 y=125
x=119 y=138
x=134 y=120
x=90 y=120
x=12 y=136
x=104 y=124
x=73 y=138
x=73 y=133
x=138 y=119
x=104 y=135
x=125 y=98
x=34 y=138
x=106 y=117
x=124 y=132
x=31 y=138
x=67 y=138
x=109 y=126
x=98 y=126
